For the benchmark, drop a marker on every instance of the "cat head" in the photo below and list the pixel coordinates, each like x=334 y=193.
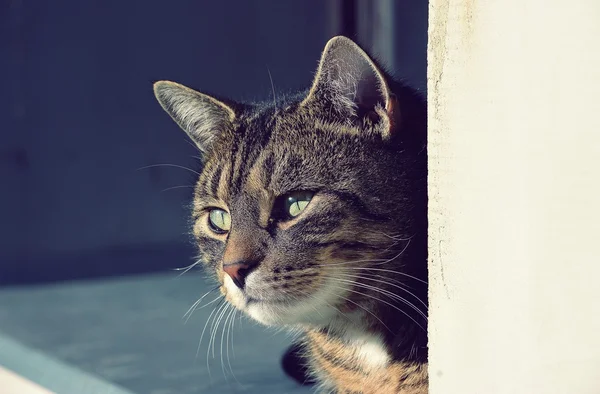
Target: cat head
x=299 y=200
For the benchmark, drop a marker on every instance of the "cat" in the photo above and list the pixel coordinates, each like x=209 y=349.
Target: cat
x=311 y=212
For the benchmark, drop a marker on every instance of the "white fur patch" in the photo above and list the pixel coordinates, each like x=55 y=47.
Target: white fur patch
x=234 y=294
x=315 y=310
x=371 y=352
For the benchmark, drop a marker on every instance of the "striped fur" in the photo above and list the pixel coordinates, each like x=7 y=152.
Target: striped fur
x=350 y=270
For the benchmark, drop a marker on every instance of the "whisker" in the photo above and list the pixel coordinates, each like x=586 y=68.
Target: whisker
x=396 y=237
x=222 y=338
x=222 y=305
x=186 y=267
x=379 y=279
x=202 y=336
x=207 y=304
x=204 y=329
x=193 y=307
x=272 y=88
x=195 y=147
x=386 y=283
x=230 y=331
x=396 y=256
x=217 y=325
x=385 y=292
x=176 y=187
x=350 y=262
x=387 y=303
x=385 y=278
x=362 y=307
x=189 y=267
x=376 y=261
x=188 y=313
x=399 y=254
x=314 y=296
x=214 y=326
x=386 y=270
x=168 y=165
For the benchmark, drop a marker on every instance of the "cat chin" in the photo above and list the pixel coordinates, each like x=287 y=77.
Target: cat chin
x=318 y=310
x=303 y=312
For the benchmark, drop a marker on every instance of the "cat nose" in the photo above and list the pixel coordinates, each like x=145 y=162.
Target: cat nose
x=238 y=272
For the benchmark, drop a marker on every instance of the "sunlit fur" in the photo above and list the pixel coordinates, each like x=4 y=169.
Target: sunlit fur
x=350 y=269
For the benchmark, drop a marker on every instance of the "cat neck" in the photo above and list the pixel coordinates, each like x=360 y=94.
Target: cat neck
x=379 y=331
x=352 y=346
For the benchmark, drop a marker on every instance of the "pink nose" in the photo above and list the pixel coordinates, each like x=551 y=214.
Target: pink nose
x=237 y=272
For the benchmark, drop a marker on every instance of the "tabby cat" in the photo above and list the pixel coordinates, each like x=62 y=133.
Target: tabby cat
x=311 y=213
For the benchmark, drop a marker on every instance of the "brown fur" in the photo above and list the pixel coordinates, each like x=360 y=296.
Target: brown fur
x=352 y=265
x=348 y=374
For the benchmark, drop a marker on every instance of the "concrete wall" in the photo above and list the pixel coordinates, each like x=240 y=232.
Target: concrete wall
x=514 y=148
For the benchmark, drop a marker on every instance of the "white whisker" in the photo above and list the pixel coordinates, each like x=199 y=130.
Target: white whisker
x=396 y=237
x=362 y=307
x=177 y=187
x=222 y=338
x=213 y=337
x=386 y=283
x=350 y=262
x=168 y=165
x=209 y=303
x=189 y=267
x=230 y=332
x=195 y=304
x=384 y=292
x=386 y=270
x=387 y=303
x=202 y=336
x=272 y=88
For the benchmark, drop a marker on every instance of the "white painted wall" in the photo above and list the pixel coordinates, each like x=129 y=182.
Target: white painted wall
x=514 y=206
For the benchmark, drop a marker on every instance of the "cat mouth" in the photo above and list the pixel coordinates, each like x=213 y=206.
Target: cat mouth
x=255 y=301
x=272 y=308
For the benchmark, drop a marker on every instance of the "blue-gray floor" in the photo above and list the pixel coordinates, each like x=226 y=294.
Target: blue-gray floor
x=131 y=332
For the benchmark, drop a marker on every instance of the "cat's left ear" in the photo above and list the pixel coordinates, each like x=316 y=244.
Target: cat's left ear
x=350 y=83
x=201 y=116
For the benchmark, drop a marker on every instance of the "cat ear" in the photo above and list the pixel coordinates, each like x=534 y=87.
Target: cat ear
x=201 y=116
x=349 y=82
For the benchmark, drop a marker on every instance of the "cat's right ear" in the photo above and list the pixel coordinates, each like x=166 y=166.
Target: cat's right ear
x=201 y=116
x=350 y=84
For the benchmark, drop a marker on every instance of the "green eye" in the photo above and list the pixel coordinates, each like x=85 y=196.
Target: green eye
x=219 y=221
x=295 y=203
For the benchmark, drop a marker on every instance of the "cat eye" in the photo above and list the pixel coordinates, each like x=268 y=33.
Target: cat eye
x=219 y=221
x=291 y=205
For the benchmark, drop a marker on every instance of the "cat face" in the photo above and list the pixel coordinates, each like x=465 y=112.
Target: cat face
x=280 y=218
x=298 y=202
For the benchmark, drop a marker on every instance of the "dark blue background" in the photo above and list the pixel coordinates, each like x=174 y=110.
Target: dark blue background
x=78 y=118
